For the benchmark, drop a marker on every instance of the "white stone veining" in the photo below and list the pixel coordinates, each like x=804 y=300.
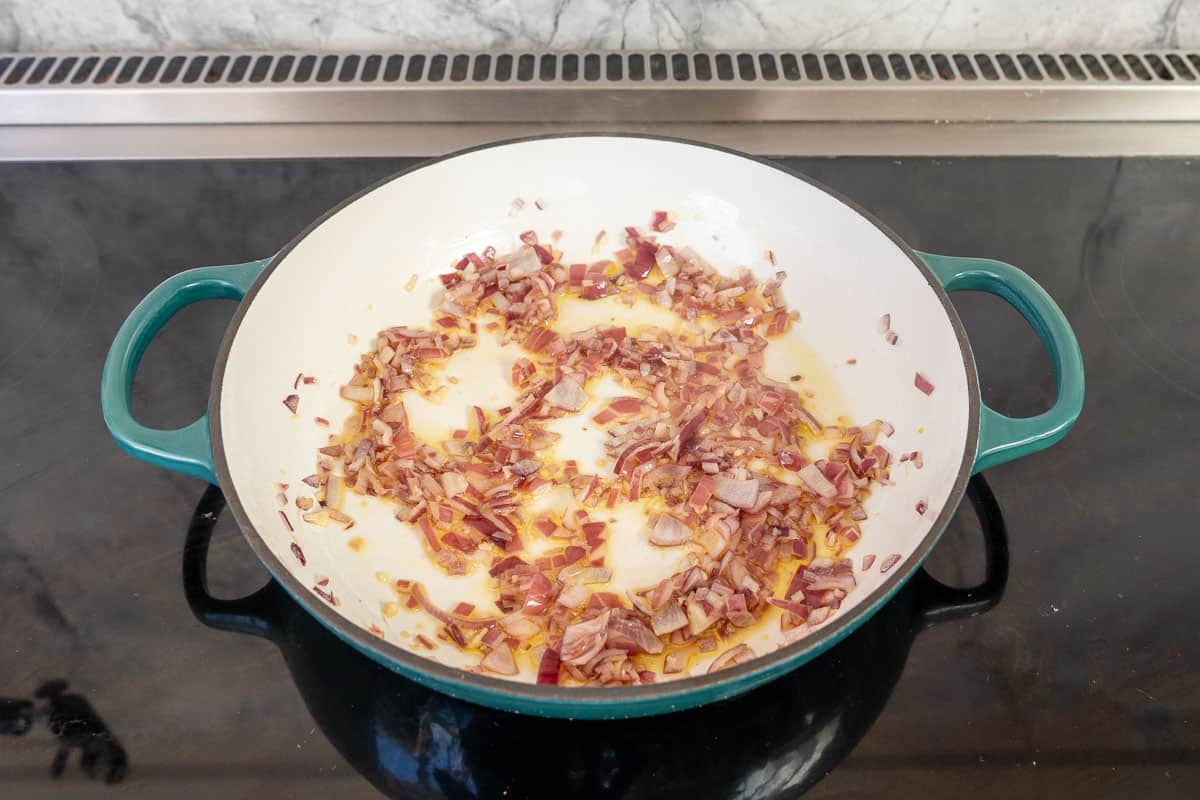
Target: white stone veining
x=71 y=25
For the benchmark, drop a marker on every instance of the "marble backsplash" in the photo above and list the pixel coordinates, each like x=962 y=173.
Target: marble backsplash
x=80 y=25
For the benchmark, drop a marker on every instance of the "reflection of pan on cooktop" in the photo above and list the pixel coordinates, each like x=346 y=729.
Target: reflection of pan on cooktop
x=775 y=741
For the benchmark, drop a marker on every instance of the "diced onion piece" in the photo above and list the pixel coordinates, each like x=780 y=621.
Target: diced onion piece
x=596 y=575
x=666 y=262
x=669 y=531
x=628 y=632
x=662 y=221
x=319 y=518
x=574 y=596
x=549 y=668
x=454 y=484
x=334 y=493
x=815 y=480
x=583 y=641
x=734 y=655
x=500 y=661
x=519 y=626
x=675 y=662
x=669 y=620
x=567 y=394
x=395 y=413
x=701 y=615
x=819 y=615
x=737 y=493
x=358 y=394
x=521 y=263
x=737 y=612
x=441 y=616
x=923 y=383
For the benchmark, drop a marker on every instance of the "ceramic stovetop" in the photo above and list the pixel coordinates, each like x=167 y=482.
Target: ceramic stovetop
x=1080 y=679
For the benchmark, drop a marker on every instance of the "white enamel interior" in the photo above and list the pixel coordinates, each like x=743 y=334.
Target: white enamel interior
x=348 y=276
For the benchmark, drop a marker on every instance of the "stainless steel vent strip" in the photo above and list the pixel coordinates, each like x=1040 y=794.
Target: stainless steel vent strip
x=593 y=86
x=630 y=67
x=307 y=103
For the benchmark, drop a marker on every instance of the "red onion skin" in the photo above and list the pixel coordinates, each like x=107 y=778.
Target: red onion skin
x=549 y=668
x=419 y=595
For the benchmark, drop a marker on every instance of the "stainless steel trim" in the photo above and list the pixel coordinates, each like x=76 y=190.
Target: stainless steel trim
x=72 y=143
x=628 y=87
x=239 y=104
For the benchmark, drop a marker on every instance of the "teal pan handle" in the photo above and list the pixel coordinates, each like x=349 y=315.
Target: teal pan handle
x=1004 y=438
x=186 y=449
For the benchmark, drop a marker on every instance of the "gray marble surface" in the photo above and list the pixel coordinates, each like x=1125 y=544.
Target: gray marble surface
x=76 y=25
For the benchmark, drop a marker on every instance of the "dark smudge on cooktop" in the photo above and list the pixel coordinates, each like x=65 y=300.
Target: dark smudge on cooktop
x=1082 y=682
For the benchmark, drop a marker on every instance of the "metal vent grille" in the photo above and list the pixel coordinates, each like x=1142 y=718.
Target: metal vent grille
x=278 y=104
x=595 y=68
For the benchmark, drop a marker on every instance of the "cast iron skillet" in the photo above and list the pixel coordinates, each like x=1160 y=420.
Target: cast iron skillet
x=778 y=740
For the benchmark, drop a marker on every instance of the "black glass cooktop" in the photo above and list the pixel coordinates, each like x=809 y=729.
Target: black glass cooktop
x=1066 y=663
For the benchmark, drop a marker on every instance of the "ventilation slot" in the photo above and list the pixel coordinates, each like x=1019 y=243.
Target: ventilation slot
x=634 y=69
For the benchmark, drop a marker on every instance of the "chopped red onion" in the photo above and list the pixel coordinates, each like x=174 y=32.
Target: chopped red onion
x=671 y=618
x=500 y=661
x=815 y=480
x=923 y=383
x=582 y=641
x=819 y=615
x=735 y=655
x=691 y=435
x=737 y=493
x=549 y=668
x=418 y=594
x=669 y=531
x=662 y=222
x=737 y=612
x=630 y=633
x=701 y=614
x=567 y=394
x=358 y=394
